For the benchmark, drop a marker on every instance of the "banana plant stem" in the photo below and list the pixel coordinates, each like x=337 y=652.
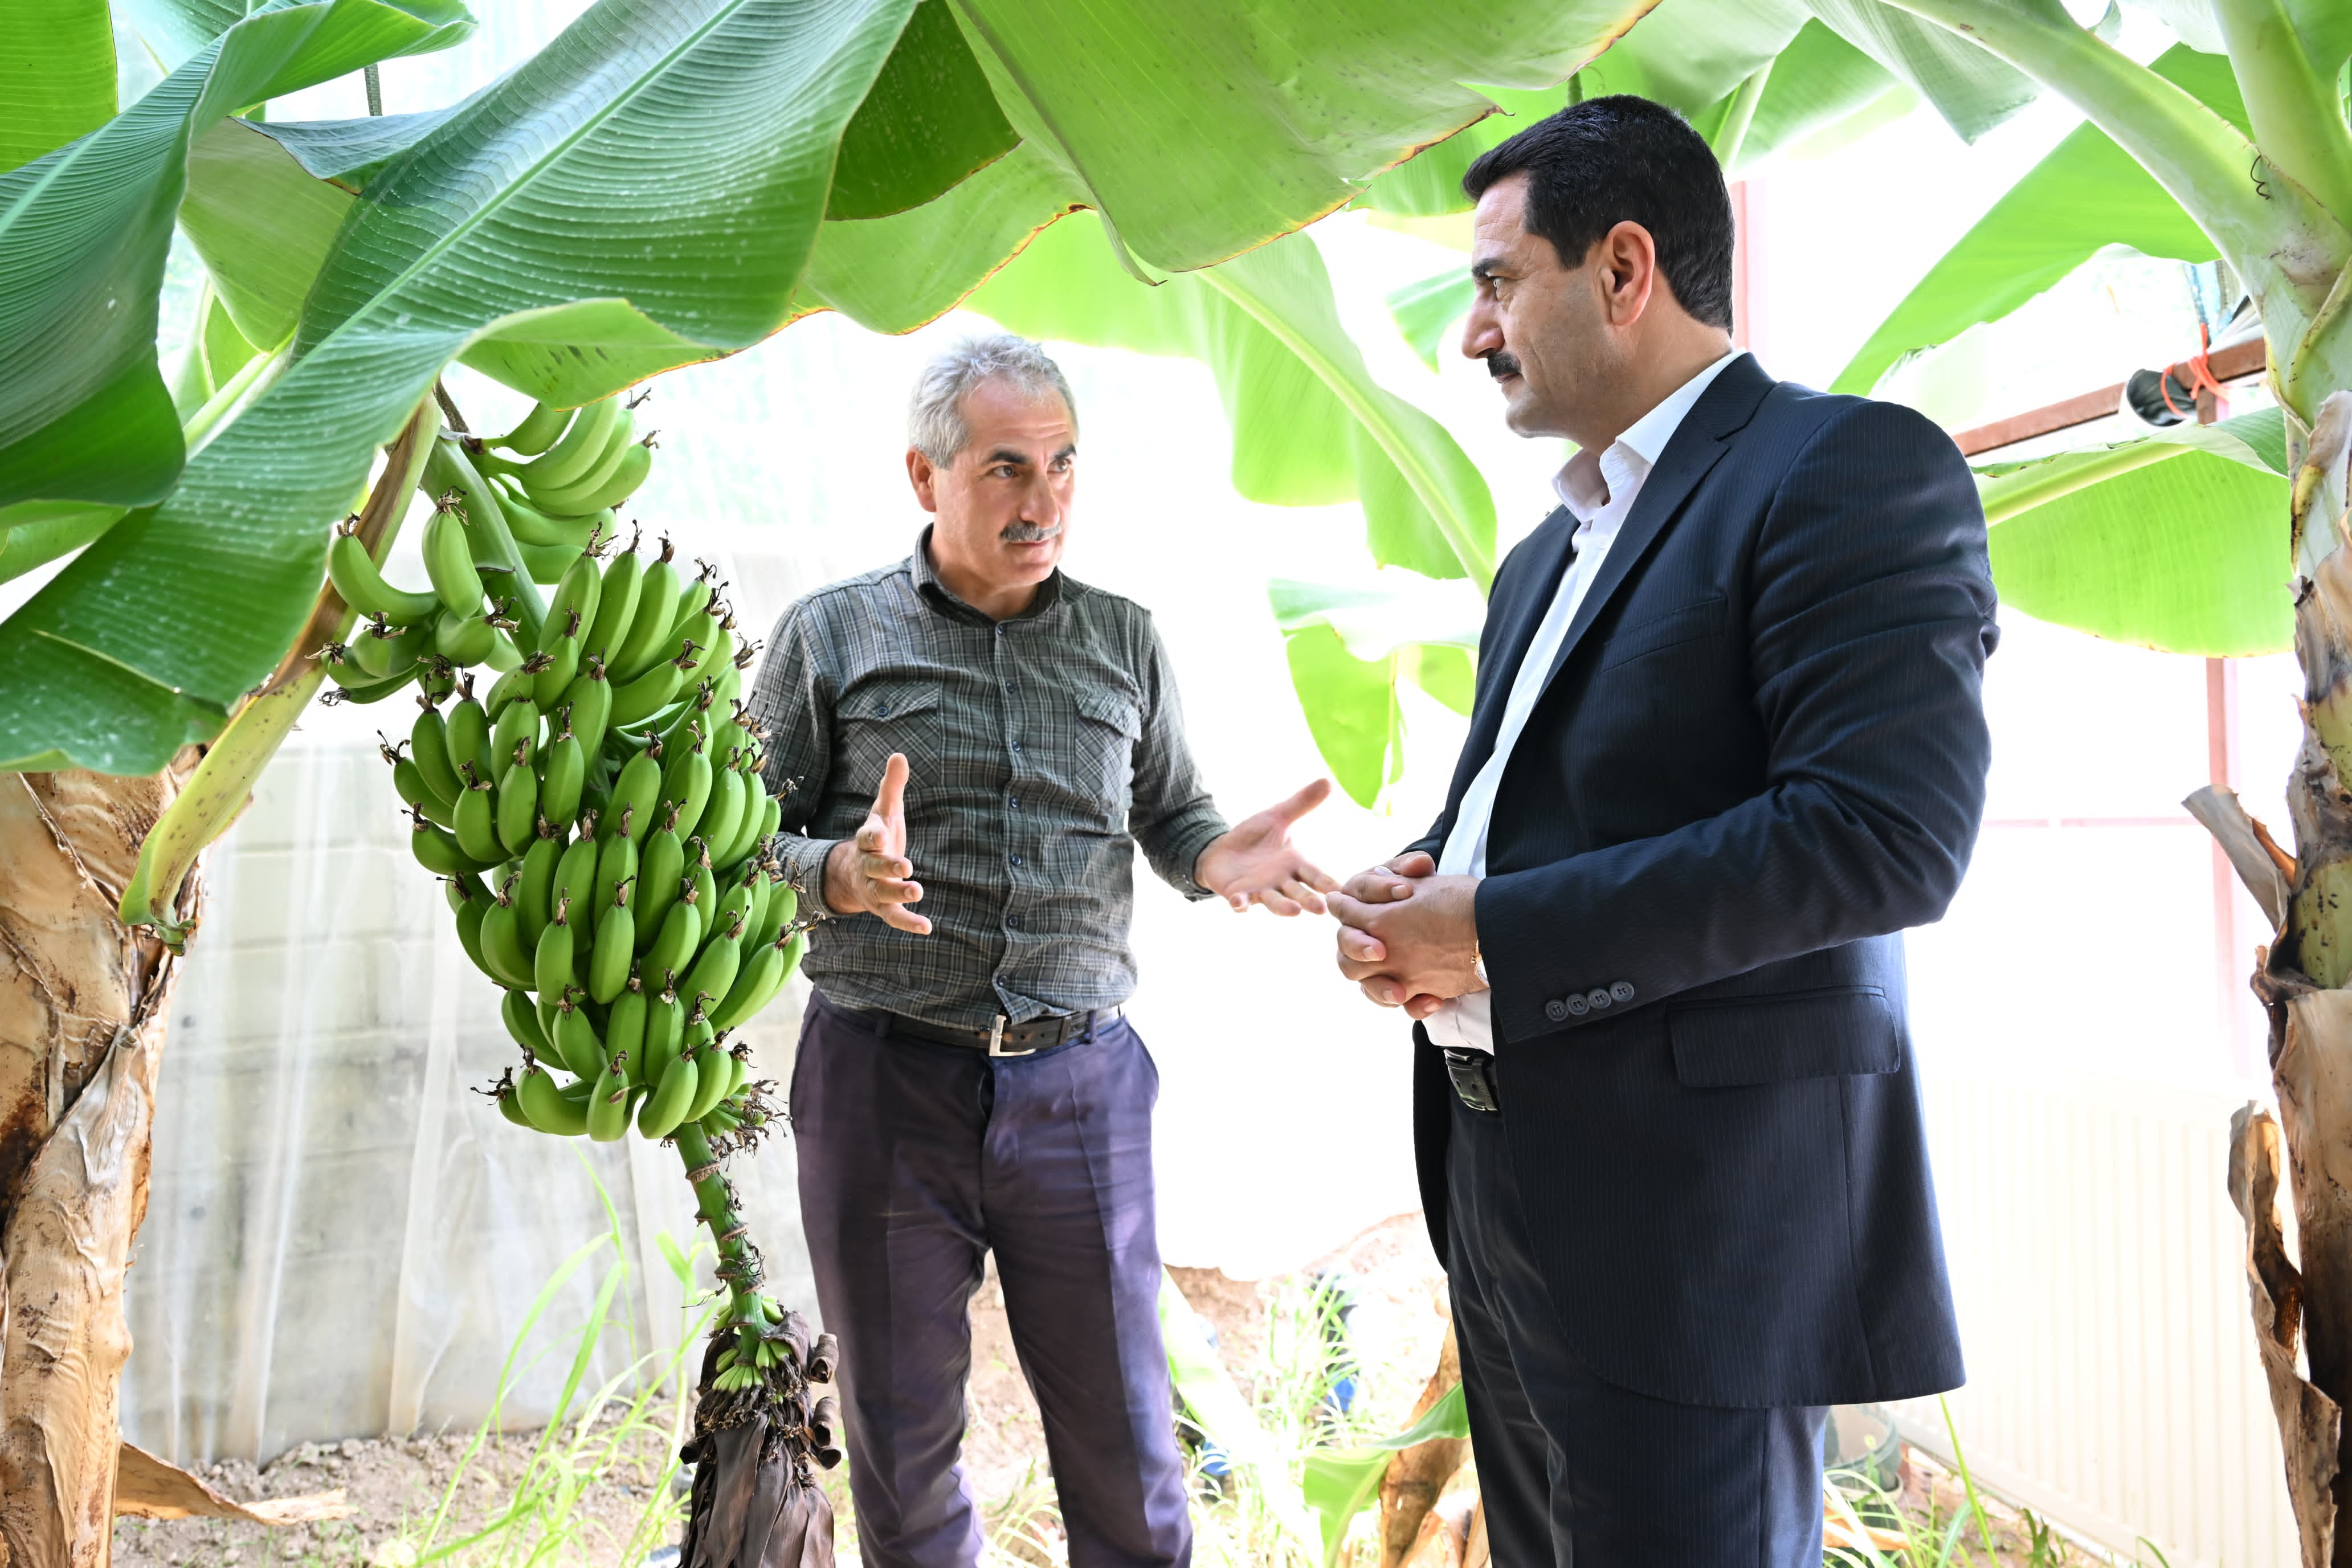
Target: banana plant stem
x=715 y=1204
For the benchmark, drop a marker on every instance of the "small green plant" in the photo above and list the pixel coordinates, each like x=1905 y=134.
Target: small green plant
x=629 y=1428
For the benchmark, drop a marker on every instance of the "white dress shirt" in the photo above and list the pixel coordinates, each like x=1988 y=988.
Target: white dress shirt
x=1598 y=491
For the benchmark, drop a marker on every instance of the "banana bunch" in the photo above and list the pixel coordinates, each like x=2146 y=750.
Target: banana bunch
x=601 y=821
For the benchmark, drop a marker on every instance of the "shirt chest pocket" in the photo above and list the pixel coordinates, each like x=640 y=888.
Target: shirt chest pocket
x=1102 y=750
x=884 y=716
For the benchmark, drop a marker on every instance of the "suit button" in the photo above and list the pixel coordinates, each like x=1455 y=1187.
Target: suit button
x=1598 y=998
x=1555 y=1010
x=1622 y=991
x=1578 y=1005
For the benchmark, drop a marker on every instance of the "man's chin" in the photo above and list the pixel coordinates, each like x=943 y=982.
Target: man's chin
x=1032 y=562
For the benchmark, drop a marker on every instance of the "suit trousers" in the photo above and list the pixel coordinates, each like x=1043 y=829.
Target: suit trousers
x=1575 y=1471
x=917 y=1159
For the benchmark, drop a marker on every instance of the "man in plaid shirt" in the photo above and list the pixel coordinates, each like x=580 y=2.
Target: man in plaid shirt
x=969 y=746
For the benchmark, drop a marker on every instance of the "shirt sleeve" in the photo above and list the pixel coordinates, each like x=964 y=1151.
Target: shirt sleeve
x=793 y=700
x=1173 y=814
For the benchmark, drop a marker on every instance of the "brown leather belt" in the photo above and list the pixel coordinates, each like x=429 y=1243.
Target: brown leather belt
x=1002 y=1040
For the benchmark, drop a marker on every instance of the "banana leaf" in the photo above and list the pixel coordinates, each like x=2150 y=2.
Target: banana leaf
x=1340 y=1483
x=2176 y=541
x=57 y=75
x=712 y=124
x=1310 y=426
x=1348 y=648
x=84 y=413
x=2086 y=195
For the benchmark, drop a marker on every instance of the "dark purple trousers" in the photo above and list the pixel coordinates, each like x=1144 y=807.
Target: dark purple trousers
x=915 y=1160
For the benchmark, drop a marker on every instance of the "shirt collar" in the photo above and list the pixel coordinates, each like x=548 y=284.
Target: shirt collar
x=1587 y=481
x=943 y=598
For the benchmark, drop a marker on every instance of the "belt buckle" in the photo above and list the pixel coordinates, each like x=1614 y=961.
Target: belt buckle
x=996 y=1041
x=1472 y=1074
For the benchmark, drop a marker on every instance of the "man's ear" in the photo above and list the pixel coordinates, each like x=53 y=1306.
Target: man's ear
x=1627 y=264
x=923 y=474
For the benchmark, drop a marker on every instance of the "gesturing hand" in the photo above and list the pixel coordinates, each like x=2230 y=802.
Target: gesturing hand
x=1253 y=862
x=870 y=874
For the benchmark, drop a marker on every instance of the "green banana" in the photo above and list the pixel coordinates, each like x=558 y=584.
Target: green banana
x=635 y=793
x=729 y=795
x=616 y=862
x=649 y=628
x=465 y=639
x=360 y=582
x=551 y=960
x=547 y=562
x=502 y=942
x=428 y=738
x=382 y=651
x=562 y=497
x=469 y=735
x=517 y=724
x=693 y=599
x=538 y=431
x=624 y=1025
x=660 y=865
x=762 y=813
x=522 y=1023
x=609 y=1103
x=616 y=946
x=469 y=931
x=647 y=694
x=755 y=880
x=575 y=595
x=713 y=973
x=714 y=1078
x=616 y=601
x=685 y=788
x=575 y=1038
x=450 y=561
x=665 y=1031
x=756 y=984
x=706 y=884
x=562 y=773
x=582 y=443
x=561 y=663
x=667 y=1108
x=476 y=818
x=436 y=849
x=535 y=895
x=546 y=1105
x=511 y=1105
x=784 y=903
x=734 y=907
x=575 y=874
x=506 y=690
x=605 y=488
x=518 y=794
x=680 y=934
x=532 y=526
x=590 y=698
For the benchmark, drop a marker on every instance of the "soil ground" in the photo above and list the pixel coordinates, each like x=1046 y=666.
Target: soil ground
x=395 y=1485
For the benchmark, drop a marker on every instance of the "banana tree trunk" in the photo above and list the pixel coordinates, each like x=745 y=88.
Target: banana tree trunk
x=2301 y=978
x=84 y=1003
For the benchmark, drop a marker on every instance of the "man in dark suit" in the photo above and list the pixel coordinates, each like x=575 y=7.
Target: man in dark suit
x=1728 y=743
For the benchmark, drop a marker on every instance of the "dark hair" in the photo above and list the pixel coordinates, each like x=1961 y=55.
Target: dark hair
x=1619 y=159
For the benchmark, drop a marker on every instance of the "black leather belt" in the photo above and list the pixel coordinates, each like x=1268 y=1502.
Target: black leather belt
x=1003 y=1039
x=1473 y=1073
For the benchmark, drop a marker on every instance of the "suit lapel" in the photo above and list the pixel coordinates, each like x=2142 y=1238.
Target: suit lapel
x=1547 y=562
x=1696 y=445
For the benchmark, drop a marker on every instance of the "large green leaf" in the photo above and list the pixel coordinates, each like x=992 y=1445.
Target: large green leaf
x=1201 y=129
x=712 y=125
x=1310 y=426
x=1821 y=62
x=929 y=121
x=2088 y=194
x=84 y=413
x=1347 y=648
x=57 y=75
x=2176 y=541
x=1340 y=1483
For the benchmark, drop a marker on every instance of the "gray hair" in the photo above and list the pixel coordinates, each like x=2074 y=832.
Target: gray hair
x=935 y=425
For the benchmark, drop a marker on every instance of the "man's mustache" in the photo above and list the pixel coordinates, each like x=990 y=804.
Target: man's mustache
x=1029 y=534
x=1502 y=362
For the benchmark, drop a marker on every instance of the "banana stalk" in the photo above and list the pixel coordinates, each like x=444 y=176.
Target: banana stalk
x=218 y=793
x=755 y=1502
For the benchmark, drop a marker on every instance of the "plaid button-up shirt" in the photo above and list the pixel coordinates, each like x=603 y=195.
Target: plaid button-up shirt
x=1042 y=750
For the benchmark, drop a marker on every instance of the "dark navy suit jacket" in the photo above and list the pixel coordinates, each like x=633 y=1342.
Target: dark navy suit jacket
x=1761 y=755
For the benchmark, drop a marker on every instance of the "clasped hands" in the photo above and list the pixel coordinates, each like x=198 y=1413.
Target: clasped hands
x=1408 y=937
